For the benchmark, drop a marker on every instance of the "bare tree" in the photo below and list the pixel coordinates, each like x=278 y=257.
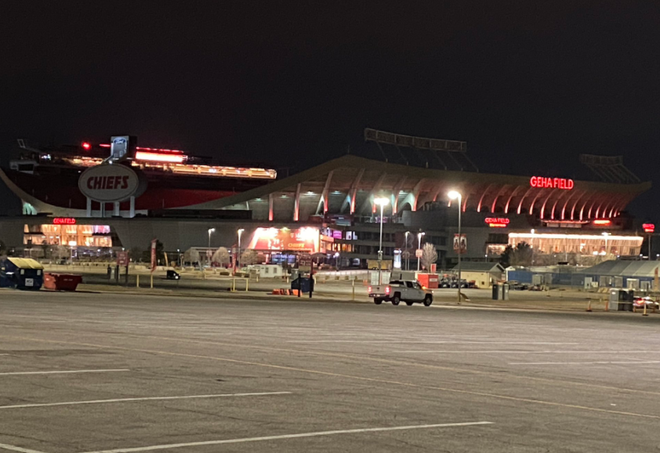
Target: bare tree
x=429 y=255
x=249 y=257
x=221 y=256
x=191 y=256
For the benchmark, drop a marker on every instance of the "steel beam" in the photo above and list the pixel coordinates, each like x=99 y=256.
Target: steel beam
x=324 y=195
x=395 y=194
x=494 y=205
x=352 y=192
x=296 y=204
x=374 y=189
x=523 y=199
x=482 y=197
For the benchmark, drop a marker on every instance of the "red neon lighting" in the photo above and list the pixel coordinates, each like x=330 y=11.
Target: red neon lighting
x=602 y=222
x=86 y=146
x=159 y=157
x=64 y=221
x=551 y=183
x=648 y=227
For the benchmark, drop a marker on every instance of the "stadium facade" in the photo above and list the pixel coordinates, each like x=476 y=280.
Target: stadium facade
x=328 y=210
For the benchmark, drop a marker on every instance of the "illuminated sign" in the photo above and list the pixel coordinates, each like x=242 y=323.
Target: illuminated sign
x=497 y=222
x=602 y=222
x=551 y=183
x=648 y=227
x=305 y=239
x=160 y=157
x=108 y=183
x=64 y=221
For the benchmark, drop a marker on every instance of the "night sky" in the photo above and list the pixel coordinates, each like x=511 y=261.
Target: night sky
x=529 y=85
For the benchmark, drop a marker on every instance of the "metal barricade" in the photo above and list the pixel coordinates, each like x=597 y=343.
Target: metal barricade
x=233 y=284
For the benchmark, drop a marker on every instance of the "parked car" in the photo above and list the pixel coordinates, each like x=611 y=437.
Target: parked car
x=409 y=291
x=517 y=286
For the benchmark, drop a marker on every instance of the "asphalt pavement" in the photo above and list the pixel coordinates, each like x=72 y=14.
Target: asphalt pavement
x=108 y=373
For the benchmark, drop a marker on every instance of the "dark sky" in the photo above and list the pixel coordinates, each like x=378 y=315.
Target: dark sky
x=529 y=85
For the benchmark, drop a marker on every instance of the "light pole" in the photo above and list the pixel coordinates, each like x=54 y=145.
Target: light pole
x=419 y=247
x=239 y=232
x=382 y=202
x=606 y=251
x=455 y=195
x=210 y=231
x=407 y=252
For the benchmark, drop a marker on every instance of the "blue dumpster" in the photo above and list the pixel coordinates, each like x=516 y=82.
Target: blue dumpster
x=21 y=273
x=301 y=283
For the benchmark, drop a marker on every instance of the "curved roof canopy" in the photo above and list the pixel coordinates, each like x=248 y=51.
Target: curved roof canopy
x=347 y=185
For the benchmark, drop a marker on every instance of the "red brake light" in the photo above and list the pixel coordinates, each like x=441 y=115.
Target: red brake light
x=86 y=146
x=387 y=289
x=370 y=289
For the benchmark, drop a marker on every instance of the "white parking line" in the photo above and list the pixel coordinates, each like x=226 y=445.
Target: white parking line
x=399 y=341
x=149 y=398
x=517 y=351
x=286 y=436
x=20 y=373
x=648 y=362
x=19 y=449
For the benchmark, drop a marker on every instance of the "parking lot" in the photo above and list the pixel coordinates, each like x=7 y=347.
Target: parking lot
x=102 y=373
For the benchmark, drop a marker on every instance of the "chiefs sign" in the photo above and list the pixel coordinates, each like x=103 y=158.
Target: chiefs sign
x=108 y=183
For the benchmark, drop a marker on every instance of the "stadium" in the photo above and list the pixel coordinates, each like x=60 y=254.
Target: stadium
x=328 y=210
